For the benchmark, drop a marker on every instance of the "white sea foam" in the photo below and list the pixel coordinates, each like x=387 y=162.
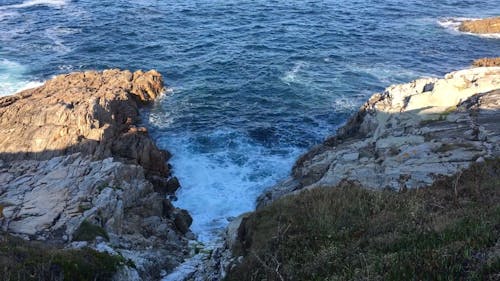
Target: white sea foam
x=218 y=183
x=292 y=76
x=12 y=79
x=30 y=3
x=345 y=104
x=453 y=24
x=387 y=73
x=56 y=34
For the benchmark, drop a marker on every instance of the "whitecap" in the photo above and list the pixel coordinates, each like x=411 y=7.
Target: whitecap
x=453 y=24
x=292 y=76
x=30 y=3
x=345 y=104
x=222 y=173
x=12 y=78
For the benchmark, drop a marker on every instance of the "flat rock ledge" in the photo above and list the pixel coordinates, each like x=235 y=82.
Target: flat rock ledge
x=407 y=136
x=481 y=26
x=76 y=169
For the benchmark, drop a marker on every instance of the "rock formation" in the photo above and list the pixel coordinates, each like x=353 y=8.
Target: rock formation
x=74 y=165
x=407 y=136
x=486 y=62
x=482 y=26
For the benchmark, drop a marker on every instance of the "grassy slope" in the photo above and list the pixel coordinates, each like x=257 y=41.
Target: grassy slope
x=450 y=231
x=22 y=260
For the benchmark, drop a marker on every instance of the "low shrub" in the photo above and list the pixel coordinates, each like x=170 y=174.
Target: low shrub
x=22 y=260
x=449 y=231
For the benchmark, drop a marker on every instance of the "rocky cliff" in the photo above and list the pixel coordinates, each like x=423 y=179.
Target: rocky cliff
x=407 y=136
x=76 y=169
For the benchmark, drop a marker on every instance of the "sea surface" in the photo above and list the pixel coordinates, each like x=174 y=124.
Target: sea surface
x=252 y=84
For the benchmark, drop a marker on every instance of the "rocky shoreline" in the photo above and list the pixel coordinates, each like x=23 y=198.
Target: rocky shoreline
x=76 y=170
x=425 y=133
x=407 y=136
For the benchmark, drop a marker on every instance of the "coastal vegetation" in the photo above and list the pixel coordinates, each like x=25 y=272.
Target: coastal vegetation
x=32 y=261
x=448 y=231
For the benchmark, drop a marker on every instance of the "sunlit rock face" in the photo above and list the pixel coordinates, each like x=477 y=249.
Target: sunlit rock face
x=481 y=26
x=408 y=135
x=72 y=155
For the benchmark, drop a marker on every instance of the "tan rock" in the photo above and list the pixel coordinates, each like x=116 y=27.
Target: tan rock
x=88 y=112
x=486 y=62
x=482 y=26
x=71 y=151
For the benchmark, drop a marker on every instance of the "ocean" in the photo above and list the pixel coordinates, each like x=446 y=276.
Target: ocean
x=251 y=84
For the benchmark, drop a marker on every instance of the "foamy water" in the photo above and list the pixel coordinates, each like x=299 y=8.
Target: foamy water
x=31 y=3
x=253 y=83
x=12 y=78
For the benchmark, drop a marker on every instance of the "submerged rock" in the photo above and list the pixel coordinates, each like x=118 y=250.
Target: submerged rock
x=481 y=26
x=407 y=136
x=74 y=166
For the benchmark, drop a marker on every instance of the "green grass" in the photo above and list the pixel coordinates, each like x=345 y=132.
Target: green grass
x=450 y=231
x=22 y=260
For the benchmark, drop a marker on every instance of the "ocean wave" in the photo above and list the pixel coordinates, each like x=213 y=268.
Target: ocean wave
x=292 y=75
x=386 y=74
x=12 y=79
x=56 y=34
x=222 y=172
x=453 y=24
x=30 y=3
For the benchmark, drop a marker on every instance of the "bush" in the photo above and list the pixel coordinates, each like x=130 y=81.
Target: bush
x=449 y=231
x=29 y=261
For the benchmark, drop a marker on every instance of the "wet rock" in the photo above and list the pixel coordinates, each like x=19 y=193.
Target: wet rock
x=182 y=220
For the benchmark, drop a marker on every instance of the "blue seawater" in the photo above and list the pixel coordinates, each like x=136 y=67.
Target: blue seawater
x=252 y=84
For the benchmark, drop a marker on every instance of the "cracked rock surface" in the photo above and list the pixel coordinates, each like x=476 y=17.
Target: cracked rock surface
x=72 y=154
x=407 y=136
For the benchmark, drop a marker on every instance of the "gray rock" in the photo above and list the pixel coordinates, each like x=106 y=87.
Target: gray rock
x=71 y=151
x=407 y=135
